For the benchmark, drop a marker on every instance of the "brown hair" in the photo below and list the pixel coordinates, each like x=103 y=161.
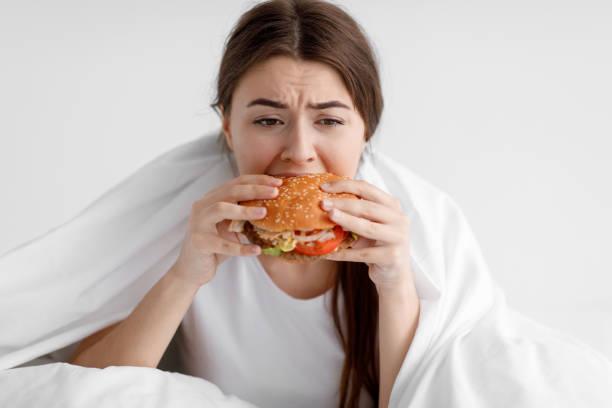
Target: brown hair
x=319 y=31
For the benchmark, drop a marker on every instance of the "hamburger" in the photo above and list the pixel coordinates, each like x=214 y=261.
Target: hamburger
x=295 y=227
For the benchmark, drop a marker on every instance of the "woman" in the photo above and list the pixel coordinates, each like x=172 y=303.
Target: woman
x=298 y=92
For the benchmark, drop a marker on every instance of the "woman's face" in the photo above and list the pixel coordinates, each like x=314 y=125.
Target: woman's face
x=291 y=117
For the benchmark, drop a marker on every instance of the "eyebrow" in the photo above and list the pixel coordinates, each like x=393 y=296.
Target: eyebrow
x=280 y=105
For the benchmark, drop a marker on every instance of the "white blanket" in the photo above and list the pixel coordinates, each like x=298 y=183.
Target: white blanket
x=469 y=350
x=64 y=385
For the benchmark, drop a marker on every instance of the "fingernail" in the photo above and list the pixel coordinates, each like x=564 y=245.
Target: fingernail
x=325 y=186
x=254 y=249
x=274 y=191
x=260 y=211
x=327 y=204
x=277 y=181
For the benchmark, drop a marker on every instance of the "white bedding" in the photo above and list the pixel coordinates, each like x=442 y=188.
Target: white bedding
x=523 y=365
x=470 y=349
x=65 y=385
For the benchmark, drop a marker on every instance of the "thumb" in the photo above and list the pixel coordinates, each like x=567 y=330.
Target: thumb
x=224 y=232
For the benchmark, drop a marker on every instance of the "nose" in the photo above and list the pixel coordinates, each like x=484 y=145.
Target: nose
x=299 y=147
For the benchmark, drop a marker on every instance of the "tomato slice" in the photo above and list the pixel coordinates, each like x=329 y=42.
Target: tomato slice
x=325 y=247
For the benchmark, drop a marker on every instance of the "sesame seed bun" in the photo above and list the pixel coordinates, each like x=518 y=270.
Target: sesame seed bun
x=297 y=205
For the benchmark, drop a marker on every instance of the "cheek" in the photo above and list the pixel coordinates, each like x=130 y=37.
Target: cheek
x=253 y=153
x=342 y=157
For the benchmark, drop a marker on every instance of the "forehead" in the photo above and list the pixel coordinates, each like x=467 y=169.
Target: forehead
x=293 y=81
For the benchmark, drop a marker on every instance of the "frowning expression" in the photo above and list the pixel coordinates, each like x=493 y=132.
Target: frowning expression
x=292 y=117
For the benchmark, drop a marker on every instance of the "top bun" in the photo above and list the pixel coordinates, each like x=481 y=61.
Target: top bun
x=297 y=205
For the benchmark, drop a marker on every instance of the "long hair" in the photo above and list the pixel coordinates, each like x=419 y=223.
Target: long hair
x=313 y=30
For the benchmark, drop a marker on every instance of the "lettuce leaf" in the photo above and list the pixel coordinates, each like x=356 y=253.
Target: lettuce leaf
x=276 y=251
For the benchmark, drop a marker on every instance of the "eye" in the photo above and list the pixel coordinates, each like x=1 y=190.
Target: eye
x=328 y=122
x=268 y=122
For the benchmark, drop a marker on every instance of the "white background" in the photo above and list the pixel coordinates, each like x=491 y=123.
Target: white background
x=505 y=105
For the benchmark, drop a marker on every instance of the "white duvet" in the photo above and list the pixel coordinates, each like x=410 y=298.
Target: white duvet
x=65 y=385
x=470 y=349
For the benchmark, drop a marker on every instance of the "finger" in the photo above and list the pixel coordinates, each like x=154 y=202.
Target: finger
x=212 y=243
x=246 y=192
x=374 y=255
x=361 y=208
x=363 y=227
x=234 y=193
x=364 y=190
x=222 y=210
x=257 y=179
x=362 y=242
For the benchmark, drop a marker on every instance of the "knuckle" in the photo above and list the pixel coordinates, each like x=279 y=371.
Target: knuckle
x=406 y=223
x=195 y=206
x=371 y=229
x=244 y=178
x=362 y=185
x=368 y=212
x=233 y=192
x=217 y=207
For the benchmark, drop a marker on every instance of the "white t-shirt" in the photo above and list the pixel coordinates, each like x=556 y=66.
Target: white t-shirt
x=253 y=340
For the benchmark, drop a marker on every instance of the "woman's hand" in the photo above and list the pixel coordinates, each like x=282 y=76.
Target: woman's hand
x=382 y=228
x=208 y=242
